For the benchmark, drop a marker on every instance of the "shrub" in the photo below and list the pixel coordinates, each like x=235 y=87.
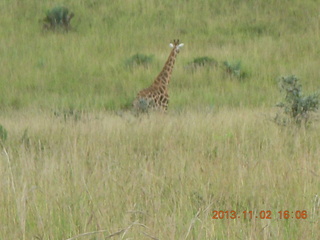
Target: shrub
x=202 y=62
x=295 y=106
x=234 y=69
x=58 y=18
x=142 y=105
x=139 y=60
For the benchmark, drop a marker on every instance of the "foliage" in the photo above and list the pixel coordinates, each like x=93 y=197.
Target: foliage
x=202 y=62
x=143 y=105
x=295 y=105
x=57 y=18
x=234 y=69
x=139 y=60
x=3 y=134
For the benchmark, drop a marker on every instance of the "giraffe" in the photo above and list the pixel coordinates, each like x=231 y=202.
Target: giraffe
x=156 y=96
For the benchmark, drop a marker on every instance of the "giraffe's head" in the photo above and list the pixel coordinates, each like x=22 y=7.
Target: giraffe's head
x=176 y=45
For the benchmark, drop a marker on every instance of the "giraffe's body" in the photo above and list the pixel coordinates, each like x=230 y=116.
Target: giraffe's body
x=156 y=96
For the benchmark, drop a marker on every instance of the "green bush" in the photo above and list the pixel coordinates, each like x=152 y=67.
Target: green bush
x=295 y=106
x=58 y=18
x=139 y=60
x=202 y=62
x=235 y=69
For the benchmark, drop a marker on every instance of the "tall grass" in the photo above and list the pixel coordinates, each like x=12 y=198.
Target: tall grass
x=64 y=177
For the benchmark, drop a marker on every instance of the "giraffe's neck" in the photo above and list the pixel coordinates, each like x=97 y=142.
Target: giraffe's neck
x=164 y=76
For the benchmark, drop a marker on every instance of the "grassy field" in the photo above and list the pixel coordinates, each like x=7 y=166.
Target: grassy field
x=85 y=69
x=163 y=173
x=75 y=164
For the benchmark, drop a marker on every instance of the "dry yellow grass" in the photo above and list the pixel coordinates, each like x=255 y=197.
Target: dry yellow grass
x=162 y=175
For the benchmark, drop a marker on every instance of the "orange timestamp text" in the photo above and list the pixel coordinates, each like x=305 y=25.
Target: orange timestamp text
x=263 y=214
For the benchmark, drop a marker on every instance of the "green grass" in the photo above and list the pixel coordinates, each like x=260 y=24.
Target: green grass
x=74 y=162
x=87 y=67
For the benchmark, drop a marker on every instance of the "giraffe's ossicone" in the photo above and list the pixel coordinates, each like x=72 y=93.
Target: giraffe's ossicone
x=156 y=96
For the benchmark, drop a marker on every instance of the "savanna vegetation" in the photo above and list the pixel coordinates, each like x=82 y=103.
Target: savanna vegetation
x=75 y=163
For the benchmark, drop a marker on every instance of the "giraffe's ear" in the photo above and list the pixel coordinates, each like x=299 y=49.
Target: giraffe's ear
x=171 y=45
x=180 y=45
